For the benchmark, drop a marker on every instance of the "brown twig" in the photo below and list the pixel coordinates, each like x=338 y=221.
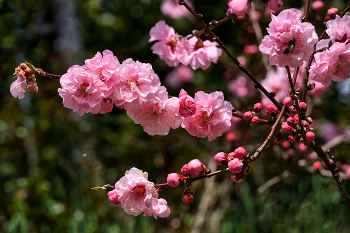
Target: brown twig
x=258 y=85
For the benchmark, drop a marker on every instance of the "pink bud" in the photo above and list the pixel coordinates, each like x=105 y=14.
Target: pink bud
x=188 y=196
x=332 y=11
x=220 y=158
x=290 y=121
x=239 y=7
x=257 y=107
x=185 y=169
x=285 y=144
x=296 y=118
x=288 y=101
x=174 y=179
x=230 y=136
x=235 y=165
x=255 y=120
x=302 y=147
x=305 y=123
x=250 y=49
x=247 y=116
x=196 y=167
x=239 y=177
x=303 y=107
x=286 y=128
x=188 y=105
x=275 y=5
x=310 y=136
x=113 y=197
x=230 y=156
x=278 y=138
x=271 y=110
x=317 y=5
x=240 y=153
x=293 y=138
x=317 y=165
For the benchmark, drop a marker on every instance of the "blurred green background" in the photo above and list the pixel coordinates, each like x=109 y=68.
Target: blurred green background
x=50 y=157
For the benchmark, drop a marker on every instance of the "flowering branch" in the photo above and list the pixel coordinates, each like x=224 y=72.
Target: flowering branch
x=258 y=85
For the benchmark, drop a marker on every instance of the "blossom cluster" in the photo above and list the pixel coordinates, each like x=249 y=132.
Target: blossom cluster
x=175 y=49
x=25 y=81
x=135 y=87
x=135 y=194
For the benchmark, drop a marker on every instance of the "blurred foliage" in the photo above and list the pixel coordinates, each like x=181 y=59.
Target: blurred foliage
x=50 y=157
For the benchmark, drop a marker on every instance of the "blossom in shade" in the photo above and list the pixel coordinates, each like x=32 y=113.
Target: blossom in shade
x=275 y=81
x=188 y=196
x=81 y=90
x=179 y=76
x=169 y=47
x=290 y=42
x=331 y=64
x=158 y=114
x=237 y=177
x=250 y=49
x=173 y=10
x=275 y=5
x=137 y=80
x=241 y=87
x=317 y=165
x=106 y=106
x=338 y=29
x=203 y=53
x=239 y=7
x=212 y=117
x=317 y=5
x=137 y=195
x=188 y=105
x=105 y=66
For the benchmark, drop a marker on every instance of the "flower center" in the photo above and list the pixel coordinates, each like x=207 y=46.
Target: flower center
x=172 y=42
x=199 y=44
x=153 y=111
x=206 y=118
x=132 y=81
x=139 y=191
x=82 y=89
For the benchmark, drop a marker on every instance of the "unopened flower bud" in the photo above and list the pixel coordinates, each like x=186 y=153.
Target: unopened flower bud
x=296 y=118
x=113 y=197
x=311 y=86
x=230 y=156
x=293 y=138
x=317 y=5
x=174 y=179
x=290 y=121
x=303 y=107
x=196 y=167
x=271 y=110
x=235 y=165
x=255 y=120
x=188 y=196
x=310 y=136
x=286 y=128
x=332 y=12
x=237 y=177
x=240 y=153
x=305 y=123
x=288 y=101
x=257 y=108
x=220 y=158
x=185 y=169
x=317 y=165
x=275 y=5
x=278 y=138
x=247 y=116
x=309 y=119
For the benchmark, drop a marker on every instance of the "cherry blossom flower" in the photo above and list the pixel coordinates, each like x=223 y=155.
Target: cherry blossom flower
x=25 y=81
x=18 y=87
x=137 y=80
x=275 y=5
x=203 y=53
x=81 y=90
x=290 y=42
x=239 y=7
x=136 y=195
x=172 y=9
x=331 y=64
x=169 y=47
x=188 y=105
x=158 y=114
x=338 y=29
x=212 y=117
x=105 y=67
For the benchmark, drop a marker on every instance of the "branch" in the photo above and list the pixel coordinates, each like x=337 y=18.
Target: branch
x=261 y=121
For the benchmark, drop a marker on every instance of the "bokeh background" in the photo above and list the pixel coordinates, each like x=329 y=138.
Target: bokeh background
x=50 y=157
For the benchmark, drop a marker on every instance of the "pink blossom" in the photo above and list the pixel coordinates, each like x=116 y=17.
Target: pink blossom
x=81 y=90
x=137 y=80
x=212 y=117
x=188 y=105
x=174 y=179
x=317 y=5
x=169 y=47
x=137 y=195
x=247 y=115
x=158 y=114
x=338 y=29
x=240 y=153
x=220 y=158
x=237 y=177
x=196 y=167
x=185 y=169
x=276 y=82
x=255 y=120
x=18 y=87
x=332 y=64
x=188 y=196
x=250 y=49
x=172 y=9
x=241 y=87
x=290 y=42
x=179 y=76
x=106 y=106
x=286 y=127
x=235 y=165
x=113 y=197
x=317 y=165
x=105 y=67
x=332 y=11
x=329 y=131
x=239 y=7
x=203 y=53
x=275 y=5
x=288 y=101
